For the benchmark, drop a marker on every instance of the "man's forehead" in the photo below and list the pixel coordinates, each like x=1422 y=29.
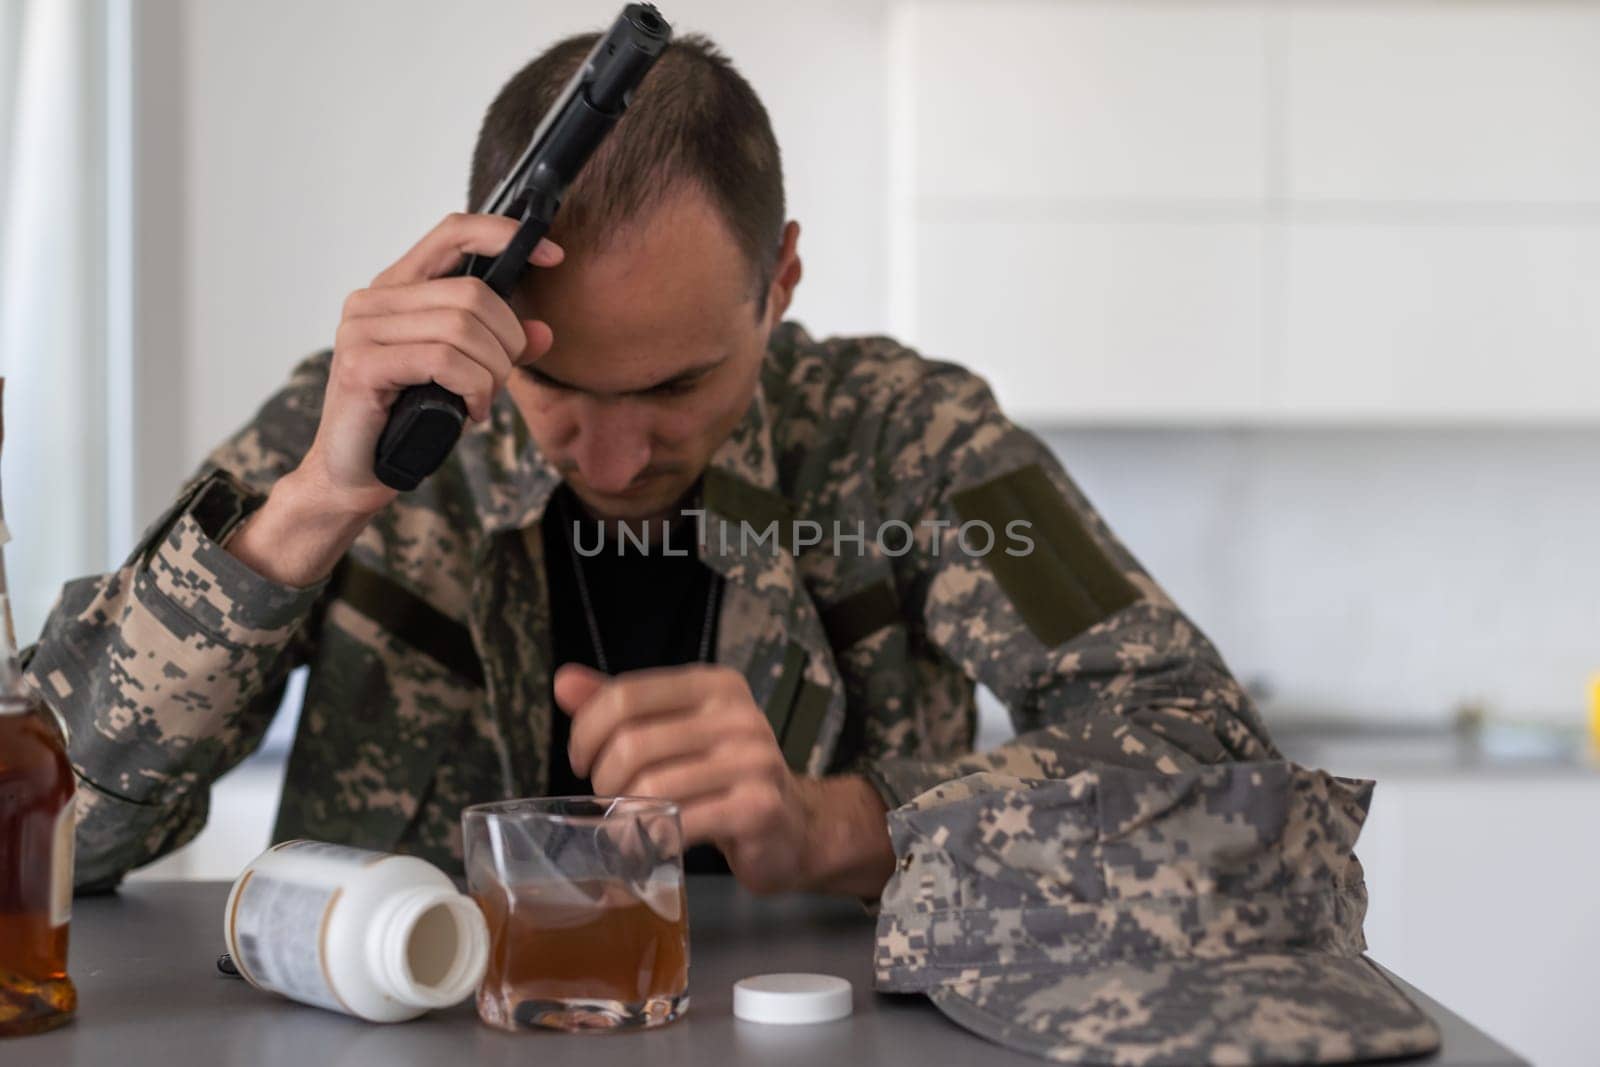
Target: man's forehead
x=662 y=296
x=679 y=246
x=610 y=357
x=607 y=375
x=606 y=343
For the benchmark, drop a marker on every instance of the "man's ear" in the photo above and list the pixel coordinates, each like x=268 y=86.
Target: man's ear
x=786 y=273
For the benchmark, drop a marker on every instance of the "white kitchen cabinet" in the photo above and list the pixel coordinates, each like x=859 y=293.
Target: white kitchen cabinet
x=1483 y=103
x=1041 y=150
x=1442 y=320
x=1015 y=101
x=1096 y=321
x=1443 y=259
x=1251 y=213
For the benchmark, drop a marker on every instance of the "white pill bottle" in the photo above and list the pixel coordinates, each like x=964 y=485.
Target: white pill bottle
x=370 y=934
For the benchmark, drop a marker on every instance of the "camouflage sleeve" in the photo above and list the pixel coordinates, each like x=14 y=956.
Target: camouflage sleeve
x=1048 y=610
x=167 y=671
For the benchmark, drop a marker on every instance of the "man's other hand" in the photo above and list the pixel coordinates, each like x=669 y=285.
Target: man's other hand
x=694 y=735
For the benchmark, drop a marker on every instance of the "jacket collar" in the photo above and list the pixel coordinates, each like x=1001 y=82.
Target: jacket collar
x=508 y=477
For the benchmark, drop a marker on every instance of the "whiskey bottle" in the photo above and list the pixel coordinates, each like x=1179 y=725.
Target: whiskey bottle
x=36 y=840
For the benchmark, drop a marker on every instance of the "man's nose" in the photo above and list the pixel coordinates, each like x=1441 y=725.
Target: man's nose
x=613 y=446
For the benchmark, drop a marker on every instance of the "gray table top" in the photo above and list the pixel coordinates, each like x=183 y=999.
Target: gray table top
x=149 y=993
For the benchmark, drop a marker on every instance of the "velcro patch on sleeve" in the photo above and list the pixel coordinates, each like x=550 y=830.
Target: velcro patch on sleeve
x=1066 y=583
x=221 y=503
x=410 y=618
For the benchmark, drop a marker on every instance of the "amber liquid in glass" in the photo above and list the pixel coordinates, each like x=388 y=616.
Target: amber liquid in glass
x=35 y=796
x=578 y=966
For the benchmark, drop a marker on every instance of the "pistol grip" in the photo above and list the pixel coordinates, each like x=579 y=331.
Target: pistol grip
x=423 y=427
x=427 y=420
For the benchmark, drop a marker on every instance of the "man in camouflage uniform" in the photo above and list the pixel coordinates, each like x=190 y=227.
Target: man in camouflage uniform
x=658 y=372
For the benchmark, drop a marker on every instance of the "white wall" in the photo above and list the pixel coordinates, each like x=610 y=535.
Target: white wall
x=1386 y=573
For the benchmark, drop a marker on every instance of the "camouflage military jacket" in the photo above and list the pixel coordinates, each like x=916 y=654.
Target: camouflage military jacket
x=862 y=628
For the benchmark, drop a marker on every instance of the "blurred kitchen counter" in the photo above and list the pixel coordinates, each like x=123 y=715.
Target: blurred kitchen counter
x=1370 y=749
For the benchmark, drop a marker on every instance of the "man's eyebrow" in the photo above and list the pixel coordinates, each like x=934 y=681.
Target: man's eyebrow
x=683 y=377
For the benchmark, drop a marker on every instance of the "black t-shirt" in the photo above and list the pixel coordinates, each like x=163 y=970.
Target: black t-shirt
x=650 y=607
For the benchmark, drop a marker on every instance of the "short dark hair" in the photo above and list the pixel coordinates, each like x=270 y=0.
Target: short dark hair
x=693 y=118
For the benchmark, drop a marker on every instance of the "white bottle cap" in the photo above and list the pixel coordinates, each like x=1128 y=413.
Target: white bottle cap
x=788 y=999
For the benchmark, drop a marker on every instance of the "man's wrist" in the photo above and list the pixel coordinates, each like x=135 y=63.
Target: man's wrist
x=299 y=533
x=847 y=847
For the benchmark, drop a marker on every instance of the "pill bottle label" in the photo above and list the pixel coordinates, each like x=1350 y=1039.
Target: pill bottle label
x=278 y=928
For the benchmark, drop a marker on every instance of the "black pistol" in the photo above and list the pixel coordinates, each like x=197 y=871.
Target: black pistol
x=427 y=420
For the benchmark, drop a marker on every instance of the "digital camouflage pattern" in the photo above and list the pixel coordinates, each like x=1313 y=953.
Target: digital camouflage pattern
x=1127 y=916
x=435 y=692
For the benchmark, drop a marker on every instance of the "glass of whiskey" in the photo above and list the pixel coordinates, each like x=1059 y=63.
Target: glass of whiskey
x=588 y=918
